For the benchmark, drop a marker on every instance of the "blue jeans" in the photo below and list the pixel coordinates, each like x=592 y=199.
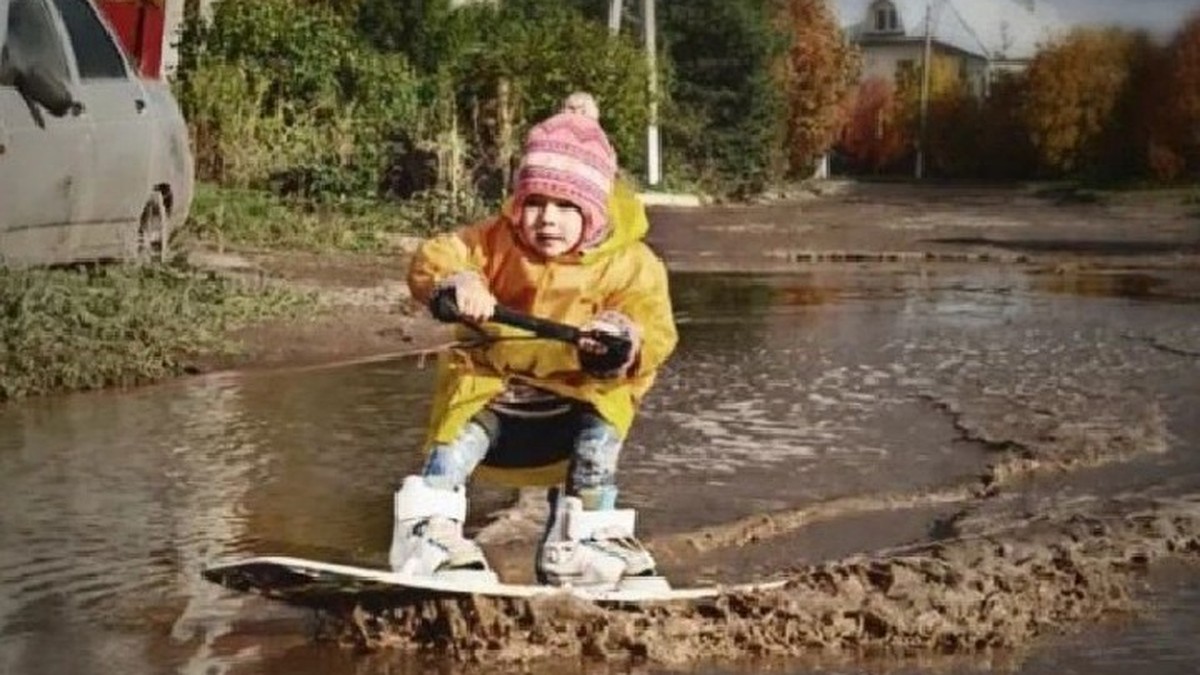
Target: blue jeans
x=592 y=469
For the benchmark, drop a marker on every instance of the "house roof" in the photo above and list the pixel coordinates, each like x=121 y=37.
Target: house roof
x=994 y=29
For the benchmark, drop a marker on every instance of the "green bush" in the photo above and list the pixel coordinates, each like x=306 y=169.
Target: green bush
x=339 y=100
x=535 y=52
x=549 y=51
x=301 y=51
x=289 y=98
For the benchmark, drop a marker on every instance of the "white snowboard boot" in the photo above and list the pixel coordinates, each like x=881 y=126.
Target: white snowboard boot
x=428 y=539
x=587 y=548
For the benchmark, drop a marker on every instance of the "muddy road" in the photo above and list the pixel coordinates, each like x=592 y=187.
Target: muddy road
x=956 y=462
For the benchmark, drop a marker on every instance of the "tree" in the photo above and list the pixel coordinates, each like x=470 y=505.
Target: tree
x=872 y=139
x=721 y=106
x=543 y=52
x=1001 y=142
x=950 y=113
x=1175 y=123
x=1186 y=75
x=818 y=73
x=493 y=69
x=430 y=33
x=1076 y=89
x=724 y=119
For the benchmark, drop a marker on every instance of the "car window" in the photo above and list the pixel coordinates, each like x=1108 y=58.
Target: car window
x=32 y=38
x=96 y=56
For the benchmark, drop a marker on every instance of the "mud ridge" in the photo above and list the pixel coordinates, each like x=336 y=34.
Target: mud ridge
x=759 y=528
x=998 y=590
x=1053 y=442
x=869 y=256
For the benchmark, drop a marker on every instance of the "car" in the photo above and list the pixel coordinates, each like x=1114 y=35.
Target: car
x=95 y=162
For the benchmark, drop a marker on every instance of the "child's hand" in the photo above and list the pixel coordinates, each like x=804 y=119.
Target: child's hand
x=471 y=296
x=609 y=358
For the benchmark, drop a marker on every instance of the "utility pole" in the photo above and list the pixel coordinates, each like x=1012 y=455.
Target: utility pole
x=614 y=16
x=653 y=160
x=926 y=62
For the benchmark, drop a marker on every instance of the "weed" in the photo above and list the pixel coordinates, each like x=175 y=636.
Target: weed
x=240 y=218
x=92 y=327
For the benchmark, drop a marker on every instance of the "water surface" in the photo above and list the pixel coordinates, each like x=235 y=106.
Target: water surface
x=787 y=391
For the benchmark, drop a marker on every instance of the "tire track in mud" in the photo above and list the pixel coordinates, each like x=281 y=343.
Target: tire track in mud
x=987 y=591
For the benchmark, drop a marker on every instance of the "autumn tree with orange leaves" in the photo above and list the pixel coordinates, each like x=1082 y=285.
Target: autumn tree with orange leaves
x=951 y=146
x=819 y=70
x=883 y=125
x=874 y=139
x=1174 y=127
x=1185 y=54
x=1077 y=89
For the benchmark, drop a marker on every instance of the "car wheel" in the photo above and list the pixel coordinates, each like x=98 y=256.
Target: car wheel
x=152 y=230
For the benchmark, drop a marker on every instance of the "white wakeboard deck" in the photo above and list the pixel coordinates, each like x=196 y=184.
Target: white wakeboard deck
x=308 y=582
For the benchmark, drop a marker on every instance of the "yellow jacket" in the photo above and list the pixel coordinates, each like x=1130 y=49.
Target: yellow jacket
x=621 y=273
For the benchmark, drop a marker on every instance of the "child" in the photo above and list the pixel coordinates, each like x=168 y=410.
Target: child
x=531 y=411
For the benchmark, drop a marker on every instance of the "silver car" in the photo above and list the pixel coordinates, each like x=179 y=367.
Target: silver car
x=94 y=160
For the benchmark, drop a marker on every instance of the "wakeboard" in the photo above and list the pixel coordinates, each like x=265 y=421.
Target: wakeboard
x=313 y=583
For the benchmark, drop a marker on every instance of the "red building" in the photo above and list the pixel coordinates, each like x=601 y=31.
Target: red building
x=139 y=24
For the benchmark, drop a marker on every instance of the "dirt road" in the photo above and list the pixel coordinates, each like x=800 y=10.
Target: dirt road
x=367 y=313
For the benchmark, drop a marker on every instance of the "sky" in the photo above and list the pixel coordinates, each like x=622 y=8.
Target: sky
x=1158 y=16
x=1161 y=16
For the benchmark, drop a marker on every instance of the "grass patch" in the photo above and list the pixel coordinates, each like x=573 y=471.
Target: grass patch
x=93 y=327
x=240 y=218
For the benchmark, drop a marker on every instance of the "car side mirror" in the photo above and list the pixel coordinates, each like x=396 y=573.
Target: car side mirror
x=47 y=89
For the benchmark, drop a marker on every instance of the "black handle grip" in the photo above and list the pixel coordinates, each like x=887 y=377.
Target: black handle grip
x=444 y=307
x=546 y=328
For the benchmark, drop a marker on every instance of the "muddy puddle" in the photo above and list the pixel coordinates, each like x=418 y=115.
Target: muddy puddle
x=946 y=463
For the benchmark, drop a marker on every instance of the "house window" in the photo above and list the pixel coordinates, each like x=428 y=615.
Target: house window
x=885 y=17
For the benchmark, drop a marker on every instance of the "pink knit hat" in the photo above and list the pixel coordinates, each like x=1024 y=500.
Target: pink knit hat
x=568 y=157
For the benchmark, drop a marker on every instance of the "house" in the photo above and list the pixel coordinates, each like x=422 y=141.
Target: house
x=985 y=37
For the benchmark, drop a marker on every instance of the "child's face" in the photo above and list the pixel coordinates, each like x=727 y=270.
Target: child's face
x=551 y=226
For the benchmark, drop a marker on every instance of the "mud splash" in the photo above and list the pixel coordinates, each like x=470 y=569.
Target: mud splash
x=981 y=591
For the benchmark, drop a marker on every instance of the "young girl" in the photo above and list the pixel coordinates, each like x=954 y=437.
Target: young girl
x=534 y=412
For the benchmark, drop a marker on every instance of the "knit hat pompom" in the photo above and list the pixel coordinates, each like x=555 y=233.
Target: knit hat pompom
x=568 y=157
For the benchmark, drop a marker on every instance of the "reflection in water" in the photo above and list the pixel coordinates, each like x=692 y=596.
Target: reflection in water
x=1102 y=285
x=785 y=391
x=112 y=502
